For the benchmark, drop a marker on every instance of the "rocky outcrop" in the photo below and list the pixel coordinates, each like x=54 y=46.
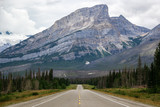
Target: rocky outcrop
x=127 y=28
x=153 y=35
x=85 y=32
x=129 y=58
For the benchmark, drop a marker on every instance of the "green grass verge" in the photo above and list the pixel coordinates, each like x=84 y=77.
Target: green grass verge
x=136 y=94
x=17 y=97
x=86 y=86
x=72 y=86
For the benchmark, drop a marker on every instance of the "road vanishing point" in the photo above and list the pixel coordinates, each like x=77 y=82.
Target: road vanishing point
x=80 y=98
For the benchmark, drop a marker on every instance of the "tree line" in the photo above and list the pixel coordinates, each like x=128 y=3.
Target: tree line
x=142 y=76
x=31 y=81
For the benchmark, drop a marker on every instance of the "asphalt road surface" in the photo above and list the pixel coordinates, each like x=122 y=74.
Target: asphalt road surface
x=80 y=98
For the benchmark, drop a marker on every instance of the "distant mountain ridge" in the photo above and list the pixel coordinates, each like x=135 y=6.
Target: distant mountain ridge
x=127 y=28
x=129 y=58
x=83 y=36
x=8 y=39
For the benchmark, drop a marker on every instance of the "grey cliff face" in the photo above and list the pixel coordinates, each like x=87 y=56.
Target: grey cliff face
x=87 y=31
x=154 y=34
x=127 y=28
x=129 y=57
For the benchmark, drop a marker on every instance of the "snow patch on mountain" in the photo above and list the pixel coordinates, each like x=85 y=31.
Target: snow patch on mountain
x=8 y=39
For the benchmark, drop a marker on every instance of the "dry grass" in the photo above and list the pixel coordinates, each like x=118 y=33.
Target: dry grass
x=86 y=86
x=18 y=97
x=72 y=86
x=136 y=94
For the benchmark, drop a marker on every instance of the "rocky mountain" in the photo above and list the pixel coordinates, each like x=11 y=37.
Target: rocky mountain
x=8 y=39
x=153 y=35
x=127 y=28
x=83 y=36
x=4 y=46
x=129 y=58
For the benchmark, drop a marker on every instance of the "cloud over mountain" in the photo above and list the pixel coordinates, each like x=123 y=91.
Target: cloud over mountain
x=28 y=16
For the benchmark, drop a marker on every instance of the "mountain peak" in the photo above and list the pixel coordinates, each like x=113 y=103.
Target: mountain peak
x=84 y=35
x=122 y=17
x=100 y=6
x=125 y=27
x=152 y=35
x=101 y=9
x=82 y=18
x=156 y=30
x=157 y=27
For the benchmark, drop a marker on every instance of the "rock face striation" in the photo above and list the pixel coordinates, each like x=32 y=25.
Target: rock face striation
x=127 y=28
x=84 y=35
x=153 y=35
x=129 y=57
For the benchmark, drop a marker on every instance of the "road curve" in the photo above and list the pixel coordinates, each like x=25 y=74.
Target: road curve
x=80 y=98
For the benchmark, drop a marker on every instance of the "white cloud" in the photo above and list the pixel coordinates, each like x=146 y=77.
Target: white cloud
x=30 y=16
x=142 y=12
x=11 y=39
x=17 y=21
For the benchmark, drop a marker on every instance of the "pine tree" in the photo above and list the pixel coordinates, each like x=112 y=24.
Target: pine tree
x=51 y=75
x=1 y=82
x=157 y=58
x=30 y=75
x=28 y=84
x=38 y=75
x=145 y=75
x=151 y=81
x=154 y=74
x=9 y=86
x=157 y=68
x=139 y=71
x=46 y=76
x=36 y=85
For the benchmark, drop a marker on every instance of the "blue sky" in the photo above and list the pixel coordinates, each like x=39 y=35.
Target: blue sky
x=32 y=16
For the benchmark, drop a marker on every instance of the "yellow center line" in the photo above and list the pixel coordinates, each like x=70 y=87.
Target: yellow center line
x=79 y=101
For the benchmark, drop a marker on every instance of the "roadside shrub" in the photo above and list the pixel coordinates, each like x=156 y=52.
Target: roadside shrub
x=134 y=95
x=18 y=97
x=93 y=87
x=120 y=92
x=106 y=91
x=35 y=93
x=5 y=98
x=19 y=90
x=63 y=86
x=142 y=91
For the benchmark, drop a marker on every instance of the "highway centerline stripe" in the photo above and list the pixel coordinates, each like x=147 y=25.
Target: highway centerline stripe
x=108 y=98
x=79 y=98
x=51 y=99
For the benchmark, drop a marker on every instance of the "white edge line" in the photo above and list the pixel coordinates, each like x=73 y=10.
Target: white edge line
x=51 y=99
x=108 y=98
x=31 y=101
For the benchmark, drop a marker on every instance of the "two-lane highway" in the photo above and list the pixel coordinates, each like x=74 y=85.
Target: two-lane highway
x=80 y=98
